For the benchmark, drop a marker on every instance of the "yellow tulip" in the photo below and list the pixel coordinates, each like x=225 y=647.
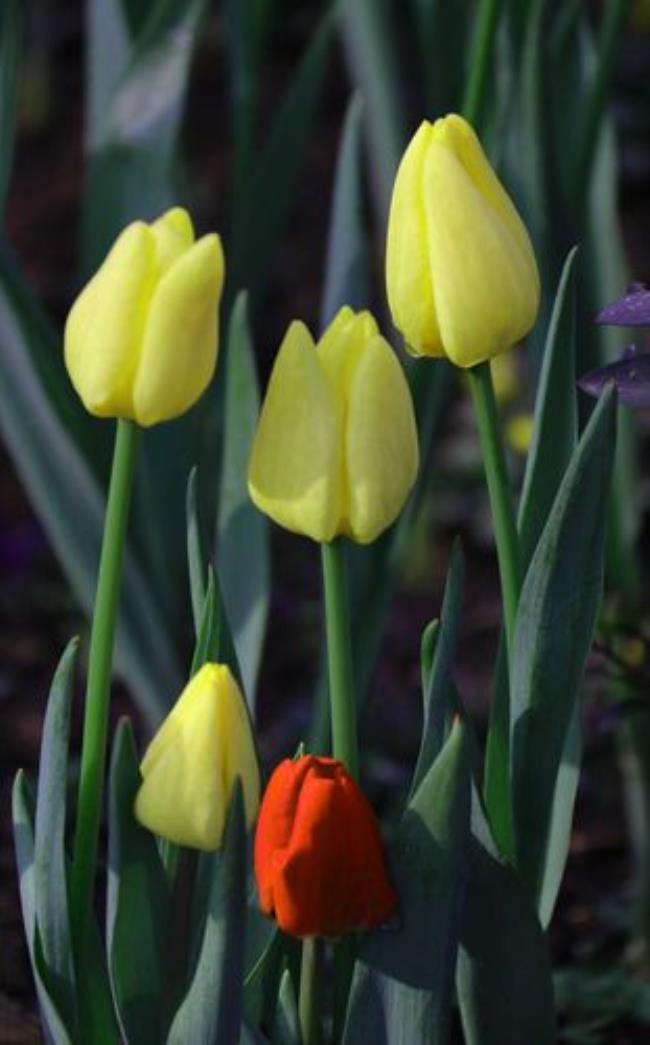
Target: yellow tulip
x=336 y=448
x=190 y=768
x=461 y=275
x=141 y=339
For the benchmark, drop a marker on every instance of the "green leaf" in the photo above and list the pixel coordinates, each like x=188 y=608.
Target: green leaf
x=287 y=1025
x=267 y=952
x=553 y=442
x=50 y=873
x=54 y=1029
x=555 y=621
x=555 y=431
x=136 y=116
x=197 y=556
x=243 y=533
x=346 y=266
x=11 y=34
x=440 y=699
x=503 y=977
x=68 y=501
x=137 y=903
x=211 y=1012
x=247 y=24
x=441 y=32
x=403 y=985
x=369 y=44
x=264 y=203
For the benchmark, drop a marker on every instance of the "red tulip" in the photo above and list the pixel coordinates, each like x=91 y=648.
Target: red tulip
x=319 y=861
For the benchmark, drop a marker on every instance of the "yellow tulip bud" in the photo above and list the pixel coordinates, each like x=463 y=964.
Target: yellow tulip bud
x=461 y=275
x=519 y=432
x=336 y=448
x=141 y=339
x=191 y=765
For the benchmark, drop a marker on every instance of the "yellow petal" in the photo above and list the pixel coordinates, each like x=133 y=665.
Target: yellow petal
x=408 y=275
x=339 y=347
x=174 y=234
x=295 y=471
x=106 y=324
x=457 y=134
x=381 y=445
x=190 y=767
x=179 y=350
x=486 y=300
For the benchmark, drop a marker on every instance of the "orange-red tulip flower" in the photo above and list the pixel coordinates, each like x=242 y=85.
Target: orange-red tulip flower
x=319 y=861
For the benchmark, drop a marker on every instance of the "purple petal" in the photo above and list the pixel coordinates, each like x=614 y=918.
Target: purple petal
x=631 y=375
x=632 y=310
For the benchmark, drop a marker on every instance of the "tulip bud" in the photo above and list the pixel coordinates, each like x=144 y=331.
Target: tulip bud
x=191 y=765
x=319 y=862
x=336 y=448
x=141 y=339
x=461 y=275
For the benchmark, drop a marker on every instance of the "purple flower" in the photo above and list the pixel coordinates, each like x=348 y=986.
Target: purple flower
x=630 y=374
x=632 y=310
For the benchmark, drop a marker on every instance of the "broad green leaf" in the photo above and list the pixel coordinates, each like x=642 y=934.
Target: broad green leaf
x=439 y=696
x=23 y=811
x=402 y=991
x=243 y=532
x=369 y=45
x=561 y=819
x=71 y=507
x=556 y=417
x=135 y=124
x=441 y=31
x=11 y=26
x=553 y=442
x=555 y=621
x=287 y=1026
x=267 y=952
x=265 y=200
x=346 y=266
x=50 y=872
x=503 y=977
x=137 y=903
x=211 y=1012
x=247 y=23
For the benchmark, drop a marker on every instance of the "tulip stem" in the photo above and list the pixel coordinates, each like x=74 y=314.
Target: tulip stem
x=339 y=657
x=309 y=998
x=100 y=658
x=501 y=502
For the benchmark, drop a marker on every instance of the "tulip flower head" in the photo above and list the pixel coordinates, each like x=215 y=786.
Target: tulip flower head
x=141 y=339
x=319 y=862
x=336 y=448
x=461 y=275
x=191 y=765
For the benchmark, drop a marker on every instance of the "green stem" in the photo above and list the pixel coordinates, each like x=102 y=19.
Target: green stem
x=339 y=657
x=309 y=1001
x=93 y=752
x=496 y=474
x=488 y=19
x=614 y=17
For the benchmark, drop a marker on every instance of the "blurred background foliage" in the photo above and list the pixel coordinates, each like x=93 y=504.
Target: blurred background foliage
x=281 y=125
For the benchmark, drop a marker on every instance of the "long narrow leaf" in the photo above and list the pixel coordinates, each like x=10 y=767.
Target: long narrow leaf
x=402 y=989
x=557 y=612
x=243 y=533
x=50 y=873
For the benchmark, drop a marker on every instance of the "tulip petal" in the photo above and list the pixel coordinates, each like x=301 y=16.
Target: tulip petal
x=179 y=350
x=174 y=234
x=457 y=135
x=190 y=767
x=106 y=324
x=408 y=275
x=485 y=298
x=381 y=444
x=295 y=474
x=341 y=345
